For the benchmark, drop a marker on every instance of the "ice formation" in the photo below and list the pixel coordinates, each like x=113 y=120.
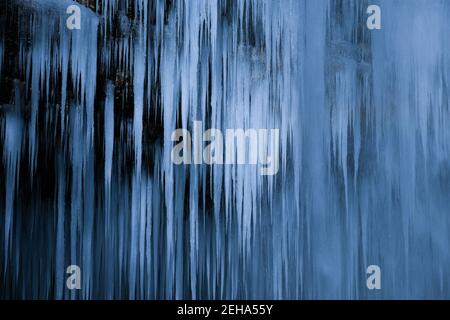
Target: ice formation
x=87 y=178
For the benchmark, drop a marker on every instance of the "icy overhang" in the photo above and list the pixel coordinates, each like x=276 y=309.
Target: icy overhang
x=55 y=7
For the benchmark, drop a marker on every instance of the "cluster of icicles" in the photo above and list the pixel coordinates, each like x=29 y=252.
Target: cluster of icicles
x=364 y=150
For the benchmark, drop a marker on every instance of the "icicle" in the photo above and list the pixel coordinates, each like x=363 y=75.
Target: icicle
x=12 y=147
x=60 y=267
x=109 y=147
